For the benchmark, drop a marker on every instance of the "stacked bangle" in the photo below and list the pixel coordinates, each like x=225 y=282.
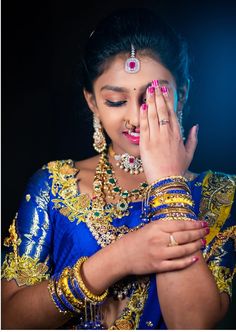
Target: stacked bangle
x=71 y=296
x=95 y=299
x=168 y=198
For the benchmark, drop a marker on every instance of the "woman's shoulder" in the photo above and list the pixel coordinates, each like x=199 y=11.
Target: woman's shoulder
x=210 y=178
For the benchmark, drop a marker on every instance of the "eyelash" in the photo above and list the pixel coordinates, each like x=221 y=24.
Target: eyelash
x=119 y=103
x=115 y=103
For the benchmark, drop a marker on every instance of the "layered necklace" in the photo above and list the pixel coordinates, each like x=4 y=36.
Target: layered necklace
x=102 y=213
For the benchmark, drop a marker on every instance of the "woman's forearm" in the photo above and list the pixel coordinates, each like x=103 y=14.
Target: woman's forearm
x=32 y=308
x=29 y=307
x=189 y=298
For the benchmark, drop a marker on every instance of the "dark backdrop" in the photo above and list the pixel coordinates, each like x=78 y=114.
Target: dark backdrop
x=42 y=118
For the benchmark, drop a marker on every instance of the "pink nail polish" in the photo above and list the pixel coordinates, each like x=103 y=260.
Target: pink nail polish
x=204 y=224
x=151 y=90
x=155 y=83
x=144 y=107
x=165 y=91
x=203 y=243
x=207 y=230
x=195 y=259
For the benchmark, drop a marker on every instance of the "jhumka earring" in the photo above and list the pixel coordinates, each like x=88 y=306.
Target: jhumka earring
x=132 y=64
x=99 y=143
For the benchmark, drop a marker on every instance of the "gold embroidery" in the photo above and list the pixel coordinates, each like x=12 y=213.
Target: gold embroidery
x=223 y=277
x=217 y=198
x=130 y=317
x=216 y=249
x=64 y=184
x=78 y=206
x=24 y=269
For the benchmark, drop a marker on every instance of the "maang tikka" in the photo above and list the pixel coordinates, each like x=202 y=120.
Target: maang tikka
x=99 y=142
x=132 y=64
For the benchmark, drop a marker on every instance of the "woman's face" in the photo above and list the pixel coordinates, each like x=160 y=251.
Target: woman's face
x=118 y=96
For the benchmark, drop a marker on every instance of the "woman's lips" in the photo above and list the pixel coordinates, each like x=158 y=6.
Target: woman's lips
x=132 y=137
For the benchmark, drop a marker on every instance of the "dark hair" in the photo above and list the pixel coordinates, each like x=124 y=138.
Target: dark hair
x=147 y=32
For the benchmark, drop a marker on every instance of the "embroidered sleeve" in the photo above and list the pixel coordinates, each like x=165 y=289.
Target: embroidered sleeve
x=27 y=257
x=219 y=209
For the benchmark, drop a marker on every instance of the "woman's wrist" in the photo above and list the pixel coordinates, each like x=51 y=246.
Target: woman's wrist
x=104 y=268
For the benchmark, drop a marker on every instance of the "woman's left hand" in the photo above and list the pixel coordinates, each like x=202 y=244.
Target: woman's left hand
x=162 y=149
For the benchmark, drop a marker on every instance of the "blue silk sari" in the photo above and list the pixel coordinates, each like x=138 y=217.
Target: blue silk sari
x=51 y=232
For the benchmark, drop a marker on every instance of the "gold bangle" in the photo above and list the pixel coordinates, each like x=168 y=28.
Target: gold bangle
x=180 y=178
x=88 y=294
x=55 y=298
x=170 y=198
x=173 y=210
x=161 y=190
x=63 y=285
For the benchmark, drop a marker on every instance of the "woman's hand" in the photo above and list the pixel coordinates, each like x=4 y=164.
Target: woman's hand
x=147 y=250
x=162 y=149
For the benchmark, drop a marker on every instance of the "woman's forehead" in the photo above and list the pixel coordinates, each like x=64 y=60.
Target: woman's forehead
x=115 y=74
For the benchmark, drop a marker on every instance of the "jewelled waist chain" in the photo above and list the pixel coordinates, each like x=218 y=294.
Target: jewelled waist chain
x=166 y=198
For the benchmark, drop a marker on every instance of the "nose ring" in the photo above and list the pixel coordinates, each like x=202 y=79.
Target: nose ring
x=129 y=126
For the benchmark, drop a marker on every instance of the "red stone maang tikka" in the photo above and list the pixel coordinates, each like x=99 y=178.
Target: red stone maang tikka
x=132 y=64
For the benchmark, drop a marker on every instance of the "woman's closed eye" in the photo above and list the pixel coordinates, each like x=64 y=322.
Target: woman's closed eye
x=115 y=103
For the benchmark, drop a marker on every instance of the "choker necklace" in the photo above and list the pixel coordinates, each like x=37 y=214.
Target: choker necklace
x=128 y=163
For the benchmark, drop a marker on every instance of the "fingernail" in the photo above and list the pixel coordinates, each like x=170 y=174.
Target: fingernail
x=197 y=128
x=144 y=107
x=165 y=91
x=151 y=90
x=207 y=230
x=204 y=224
x=195 y=259
x=155 y=83
x=203 y=243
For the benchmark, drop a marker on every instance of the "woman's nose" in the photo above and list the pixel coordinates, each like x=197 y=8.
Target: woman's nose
x=134 y=113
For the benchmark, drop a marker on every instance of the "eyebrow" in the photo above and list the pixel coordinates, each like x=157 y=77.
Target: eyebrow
x=123 y=89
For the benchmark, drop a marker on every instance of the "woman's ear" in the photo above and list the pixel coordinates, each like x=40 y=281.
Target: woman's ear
x=91 y=101
x=183 y=95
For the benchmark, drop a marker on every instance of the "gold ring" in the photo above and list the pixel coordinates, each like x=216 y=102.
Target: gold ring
x=164 y=122
x=172 y=242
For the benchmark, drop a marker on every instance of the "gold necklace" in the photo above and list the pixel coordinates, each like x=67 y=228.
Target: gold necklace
x=101 y=214
x=130 y=164
x=105 y=185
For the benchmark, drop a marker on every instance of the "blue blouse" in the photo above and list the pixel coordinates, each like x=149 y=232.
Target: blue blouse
x=51 y=231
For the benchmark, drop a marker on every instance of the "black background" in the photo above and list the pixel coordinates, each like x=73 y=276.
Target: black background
x=42 y=119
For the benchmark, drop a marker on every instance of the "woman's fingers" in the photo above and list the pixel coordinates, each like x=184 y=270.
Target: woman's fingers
x=153 y=119
x=181 y=251
x=190 y=235
x=144 y=125
x=171 y=226
x=191 y=143
x=177 y=264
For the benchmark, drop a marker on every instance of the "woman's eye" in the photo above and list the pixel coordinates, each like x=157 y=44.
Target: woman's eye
x=115 y=103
